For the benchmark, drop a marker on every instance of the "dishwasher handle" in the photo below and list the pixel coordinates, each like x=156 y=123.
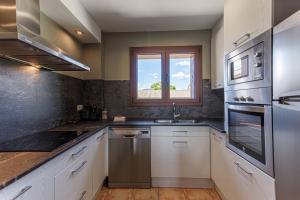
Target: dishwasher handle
x=128 y=133
x=129 y=136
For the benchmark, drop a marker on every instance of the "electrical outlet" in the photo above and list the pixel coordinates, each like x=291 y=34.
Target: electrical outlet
x=79 y=108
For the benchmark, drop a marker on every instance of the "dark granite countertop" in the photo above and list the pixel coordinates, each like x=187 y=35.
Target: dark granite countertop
x=15 y=165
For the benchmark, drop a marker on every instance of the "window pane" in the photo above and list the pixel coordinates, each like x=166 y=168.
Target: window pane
x=149 y=76
x=182 y=76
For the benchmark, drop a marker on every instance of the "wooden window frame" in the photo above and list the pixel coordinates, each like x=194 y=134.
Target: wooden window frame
x=165 y=52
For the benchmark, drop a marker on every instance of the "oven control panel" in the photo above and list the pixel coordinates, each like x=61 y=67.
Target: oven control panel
x=243 y=99
x=250 y=96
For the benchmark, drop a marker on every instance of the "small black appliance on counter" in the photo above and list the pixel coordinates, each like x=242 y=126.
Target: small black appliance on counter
x=90 y=113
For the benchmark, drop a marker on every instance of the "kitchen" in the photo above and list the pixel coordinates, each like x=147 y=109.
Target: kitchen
x=149 y=99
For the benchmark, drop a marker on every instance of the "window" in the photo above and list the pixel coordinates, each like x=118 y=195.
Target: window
x=163 y=75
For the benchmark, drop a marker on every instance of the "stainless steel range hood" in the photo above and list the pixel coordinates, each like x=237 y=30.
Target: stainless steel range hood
x=20 y=38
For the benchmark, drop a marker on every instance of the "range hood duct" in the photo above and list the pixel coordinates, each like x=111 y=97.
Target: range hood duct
x=20 y=38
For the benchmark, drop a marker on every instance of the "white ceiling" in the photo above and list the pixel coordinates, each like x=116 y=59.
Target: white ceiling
x=154 y=15
x=70 y=15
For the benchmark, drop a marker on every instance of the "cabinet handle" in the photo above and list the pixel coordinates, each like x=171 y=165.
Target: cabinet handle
x=23 y=190
x=180 y=142
x=219 y=138
x=242 y=39
x=100 y=137
x=82 y=195
x=244 y=170
x=79 y=168
x=179 y=131
x=78 y=152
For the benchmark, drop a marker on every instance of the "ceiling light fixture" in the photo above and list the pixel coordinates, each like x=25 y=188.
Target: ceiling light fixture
x=79 y=32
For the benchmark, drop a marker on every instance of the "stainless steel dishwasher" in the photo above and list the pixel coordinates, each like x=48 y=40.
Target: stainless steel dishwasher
x=129 y=157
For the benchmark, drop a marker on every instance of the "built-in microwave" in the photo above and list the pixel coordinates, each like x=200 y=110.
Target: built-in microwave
x=249 y=66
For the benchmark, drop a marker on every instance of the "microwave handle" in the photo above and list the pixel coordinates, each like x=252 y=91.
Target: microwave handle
x=257 y=109
x=242 y=39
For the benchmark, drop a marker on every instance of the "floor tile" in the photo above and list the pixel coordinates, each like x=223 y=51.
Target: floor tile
x=146 y=194
x=200 y=194
x=158 y=194
x=171 y=194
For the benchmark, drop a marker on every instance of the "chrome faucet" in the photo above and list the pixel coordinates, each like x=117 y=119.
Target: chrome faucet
x=176 y=112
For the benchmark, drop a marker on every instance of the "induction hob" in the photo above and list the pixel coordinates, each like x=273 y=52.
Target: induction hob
x=39 y=142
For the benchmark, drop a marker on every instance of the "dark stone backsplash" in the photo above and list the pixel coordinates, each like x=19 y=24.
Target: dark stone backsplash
x=93 y=93
x=32 y=100
x=117 y=97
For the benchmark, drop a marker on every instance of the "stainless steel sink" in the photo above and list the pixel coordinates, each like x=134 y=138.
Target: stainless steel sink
x=180 y=121
x=186 y=121
x=164 y=121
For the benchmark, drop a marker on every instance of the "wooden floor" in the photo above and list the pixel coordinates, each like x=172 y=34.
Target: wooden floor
x=158 y=194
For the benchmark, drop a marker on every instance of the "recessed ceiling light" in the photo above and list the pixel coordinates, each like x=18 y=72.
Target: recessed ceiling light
x=79 y=32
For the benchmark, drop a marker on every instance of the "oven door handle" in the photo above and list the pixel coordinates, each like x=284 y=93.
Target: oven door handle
x=256 y=109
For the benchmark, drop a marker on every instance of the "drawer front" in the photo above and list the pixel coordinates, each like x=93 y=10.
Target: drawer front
x=250 y=182
x=179 y=131
x=37 y=185
x=71 y=156
x=180 y=157
x=74 y=182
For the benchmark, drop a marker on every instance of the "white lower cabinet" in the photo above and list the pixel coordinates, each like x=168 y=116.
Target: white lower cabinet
x=99 y=160
x=179 y=154
x=74 y=181
x=37 y=185
x=236 y=178
x=180 y=157
x=76 y=174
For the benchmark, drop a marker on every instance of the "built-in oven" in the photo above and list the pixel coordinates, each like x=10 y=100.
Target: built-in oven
x=249 y=127
x=249 y=66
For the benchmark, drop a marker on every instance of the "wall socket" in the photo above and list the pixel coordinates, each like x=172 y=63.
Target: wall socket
x=79 y=108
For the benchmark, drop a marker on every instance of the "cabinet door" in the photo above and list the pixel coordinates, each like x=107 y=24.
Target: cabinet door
x=250 y=182
x=179 y=131
x=37 y=185
x=180 y=157
x=98 y=161
x=220 y=168
x=106 y=152
x=242 y=17
x=217 y=56
x=235 y=177
x=74 y=181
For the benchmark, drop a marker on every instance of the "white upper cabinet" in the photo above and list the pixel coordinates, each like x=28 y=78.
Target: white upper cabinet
x=217 y=55
x=244 y=20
